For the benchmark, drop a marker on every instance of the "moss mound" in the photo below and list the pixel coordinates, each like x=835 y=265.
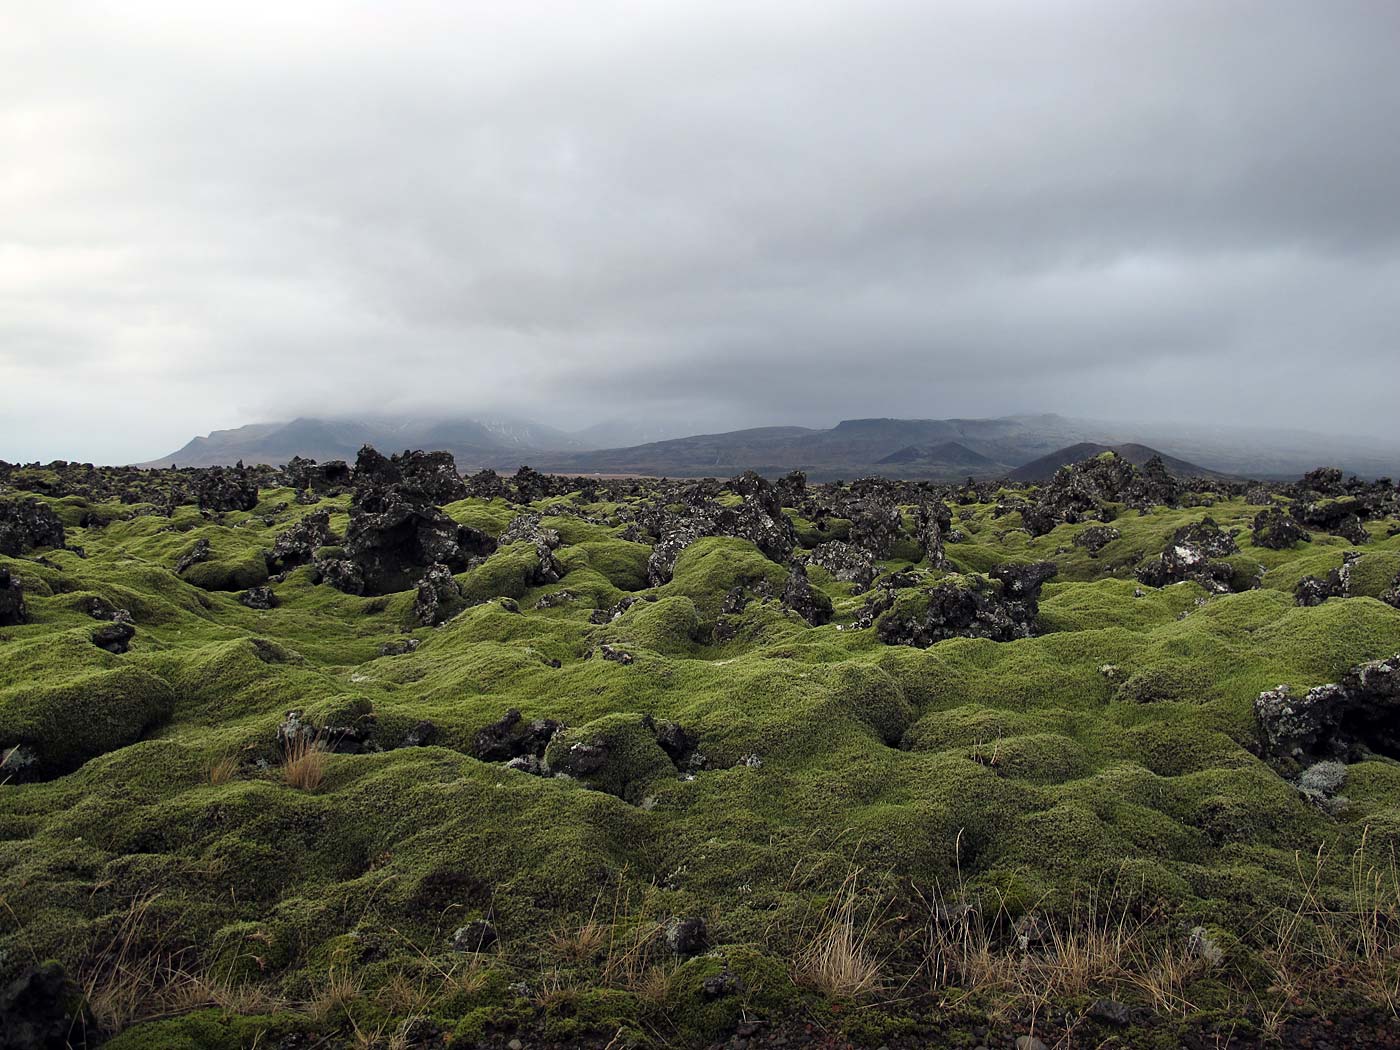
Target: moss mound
x=693 y=756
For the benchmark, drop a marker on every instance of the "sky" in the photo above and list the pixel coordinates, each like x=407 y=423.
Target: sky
x=710 y=213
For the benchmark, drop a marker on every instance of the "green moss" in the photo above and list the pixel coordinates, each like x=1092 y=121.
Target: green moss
x=212 y=1030
x=1113 y=749
x=69 y=720
x=632 y=759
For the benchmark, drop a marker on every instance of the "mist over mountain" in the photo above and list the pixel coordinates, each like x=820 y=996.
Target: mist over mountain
x=1024 y=447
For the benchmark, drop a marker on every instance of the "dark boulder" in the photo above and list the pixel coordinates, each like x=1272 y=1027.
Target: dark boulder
x=609 y=615
x=1078 y=492
x=1188 y=556
x=527 y=528
x=679 y=743
x=758 y=519
x=12 y=608
x=876 y=521
x=845 y=562
x=200 y=552
x=687 y=936
x=1277 y=530
x=513 y=737
x=1208 y=537
x=222 y=489
x=340 y=573
x=791 y=487
x=428 y=477
x=802 y=598
x=932 y=523
x=616 y=655
x=1096 y=537
x=1021 y=583
x=967 y=608
x=1322 y=482
x=298 y=543
x=260 y=598
x=422 y=734
x=42 y=1009
x=352 y=737
x=98 y=607
x=324 y=479
x=1391 y=596
x=1314 y=590
x=486 y=484
x=400 y=647
x=661 y=564
x=394 y=532
x=581 y=758
x=1152 y=486
x=439 y=596
x=1344 y=721
x=18 y=762
x=1340 y=517
x=476 y=936
x=27 y=524
x=114 y=637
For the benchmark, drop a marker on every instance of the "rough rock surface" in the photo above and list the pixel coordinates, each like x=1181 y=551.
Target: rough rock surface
x=1340 y=517
x=260 y=598
x=351 y=738
x=932 y=522
x=801 y=598
x=428 y=476
x=513 y=737
x=439 y=596
x=324 y=479
x=396 y=529
x=1276 y=529
x=297 y=544
x=758 y=519
x=1096 y=537
x=222 y=489
x=114 y=637
x=12 y=608
x=1188 y=556
x=41 y=1009
x=1081 y=491
x=200 y=552
x=1391 y=595
x=687 y=936
x=27 y=524
x=845 y=562
x=969 y=608
x=476 y=936
x=1343 y=721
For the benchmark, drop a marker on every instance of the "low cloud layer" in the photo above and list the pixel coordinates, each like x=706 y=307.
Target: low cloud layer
x=735 y=214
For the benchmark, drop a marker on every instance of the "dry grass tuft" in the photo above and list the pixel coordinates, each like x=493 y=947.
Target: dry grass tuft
x=304 y=767
x=839 y=960
x=1326 y=941
x=223 y=770
x=336 y=996
x=137 y=975
x=580 y=944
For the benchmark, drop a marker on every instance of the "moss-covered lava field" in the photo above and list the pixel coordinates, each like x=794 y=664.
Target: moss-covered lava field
x=374 y=755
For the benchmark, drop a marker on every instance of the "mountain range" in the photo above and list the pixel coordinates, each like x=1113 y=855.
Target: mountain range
x=1025 y=447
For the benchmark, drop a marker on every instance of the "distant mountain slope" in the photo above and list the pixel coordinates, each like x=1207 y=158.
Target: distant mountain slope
x=472 y=442
x=980 y=447
x=1044 y=468
x=947 y=452
x=1023 y=446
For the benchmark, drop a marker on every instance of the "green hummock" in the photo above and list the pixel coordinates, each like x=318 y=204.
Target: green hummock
x=1110 y=758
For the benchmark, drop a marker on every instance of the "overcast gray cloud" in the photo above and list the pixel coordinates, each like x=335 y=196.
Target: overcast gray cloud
x=731 y=213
